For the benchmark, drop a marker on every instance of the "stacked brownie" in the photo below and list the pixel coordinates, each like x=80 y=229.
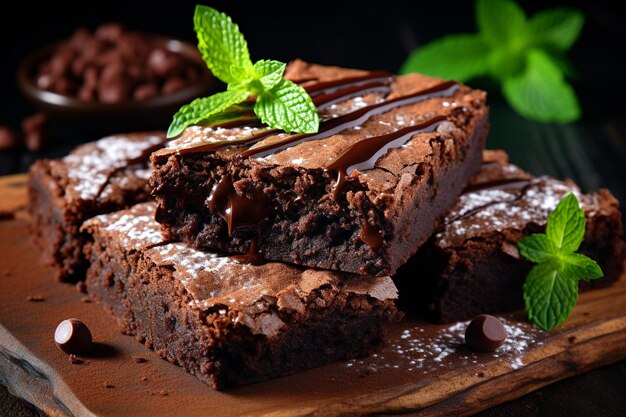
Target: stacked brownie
x=95 y=178
x=471 y=265
x=266 y=253
x=223 y=320
x=391 y=156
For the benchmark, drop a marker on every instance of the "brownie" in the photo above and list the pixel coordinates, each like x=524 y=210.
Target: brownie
x=98 y=177
x=472 y=265
x=224 y=320
x=391 y=156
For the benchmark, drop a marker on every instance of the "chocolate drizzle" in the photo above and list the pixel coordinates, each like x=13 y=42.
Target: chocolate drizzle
x=239 y=212
x=324 y=94
x=356 y=118
x=144 y=156
x=363 y=154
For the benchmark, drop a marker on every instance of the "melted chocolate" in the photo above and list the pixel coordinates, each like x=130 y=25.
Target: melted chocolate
x=356 y=118
x=240 y=212
x=369 y=234
x=363 y=154
x=143 y=157
x=252 y=256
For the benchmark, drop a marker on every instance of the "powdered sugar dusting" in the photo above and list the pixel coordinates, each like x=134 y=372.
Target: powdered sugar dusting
x=419 y=351
x=88 y=171
x=496 y=209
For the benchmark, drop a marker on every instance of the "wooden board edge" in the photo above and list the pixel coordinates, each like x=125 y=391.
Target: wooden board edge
x=24 y=373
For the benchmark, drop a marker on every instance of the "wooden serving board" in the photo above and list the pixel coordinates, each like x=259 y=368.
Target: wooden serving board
x=425 y=369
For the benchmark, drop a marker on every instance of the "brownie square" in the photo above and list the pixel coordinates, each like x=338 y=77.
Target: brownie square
x=98 y=177
x=392 y=155
x=472 y=266
x=225 y=321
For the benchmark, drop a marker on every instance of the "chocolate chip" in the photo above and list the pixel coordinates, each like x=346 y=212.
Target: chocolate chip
x=145 y=92
x=73 y=336
x=9 y=139
x=109 y=32
x=112 y=65
x=172 y=85
x=485 y=333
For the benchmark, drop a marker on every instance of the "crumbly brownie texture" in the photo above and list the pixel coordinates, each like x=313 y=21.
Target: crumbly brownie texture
x=472 y=265
x=287 y=199
x=98 y=177
x=229 y=323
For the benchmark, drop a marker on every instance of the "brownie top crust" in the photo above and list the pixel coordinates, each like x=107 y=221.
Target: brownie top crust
x=215 y=281
x=503 y=196
x=426 y=107
x=96 y=169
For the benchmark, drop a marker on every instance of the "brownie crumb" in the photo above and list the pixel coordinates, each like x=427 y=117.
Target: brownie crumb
x=81 y=287
x=35 y=298
x=480 y=374
x=572 y=339
x=144 y=378
x=108 y=385
x=75 y=360
x=162 y=393
x=138 y=359
x=86 y=300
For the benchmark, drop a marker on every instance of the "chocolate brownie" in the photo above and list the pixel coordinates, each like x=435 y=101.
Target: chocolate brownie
x=226 y=321
x=472 y=266
x=98 y=177
x=391 y=156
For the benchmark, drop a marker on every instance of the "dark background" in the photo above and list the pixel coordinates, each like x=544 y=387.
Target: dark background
x=379 y=35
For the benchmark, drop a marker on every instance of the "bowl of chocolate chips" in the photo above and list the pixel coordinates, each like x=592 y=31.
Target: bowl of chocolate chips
x=114 y=79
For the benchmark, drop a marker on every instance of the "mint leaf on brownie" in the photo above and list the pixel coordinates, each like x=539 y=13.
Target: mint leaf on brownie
x=281 y=103
x=288 y=107
x=551 y=288
x=222 y=45
x=202 y=108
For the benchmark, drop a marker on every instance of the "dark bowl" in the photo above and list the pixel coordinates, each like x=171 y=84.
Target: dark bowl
x=105 y=118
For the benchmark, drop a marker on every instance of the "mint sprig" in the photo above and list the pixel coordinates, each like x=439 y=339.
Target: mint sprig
x=551 y=287
x=280 y=103
x=527 y=56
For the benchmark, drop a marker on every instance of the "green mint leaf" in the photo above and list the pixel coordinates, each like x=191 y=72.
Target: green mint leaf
x=502 y=23
x=287 y=106
x=222 y=45
x=549 y=296
x=202 y=108
x=578 y=266
x=556 y=28
x=460 y=57
x=566 y=225
x=269 y=73
x=537 y=248
x=541 y=92
x=551 y=287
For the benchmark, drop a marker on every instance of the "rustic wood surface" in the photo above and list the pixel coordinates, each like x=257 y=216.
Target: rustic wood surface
x=34 y=369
